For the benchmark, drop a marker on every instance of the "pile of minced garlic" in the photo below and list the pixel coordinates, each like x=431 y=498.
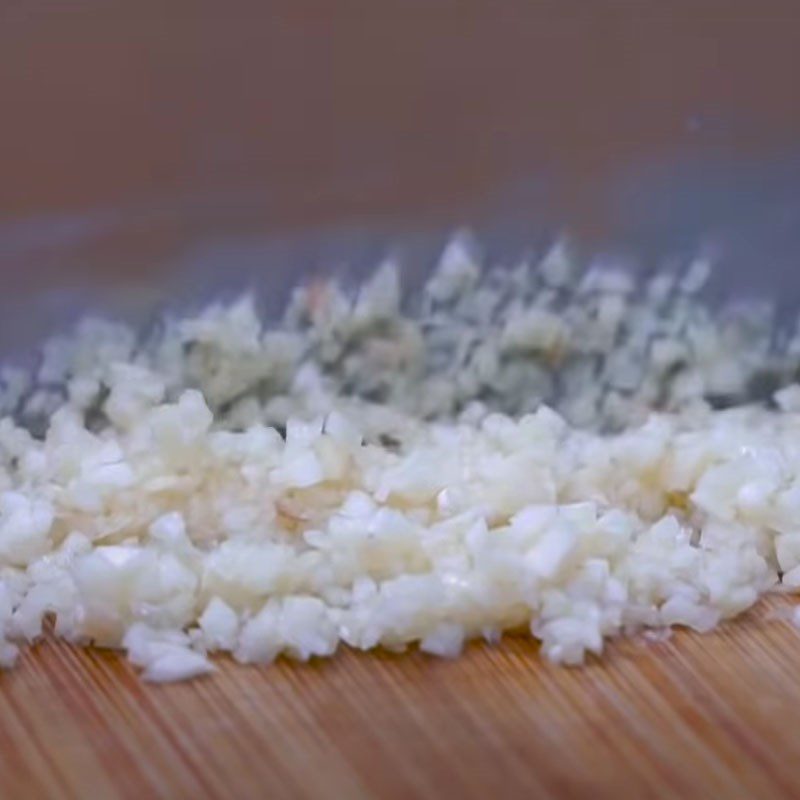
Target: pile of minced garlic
x=574 y=454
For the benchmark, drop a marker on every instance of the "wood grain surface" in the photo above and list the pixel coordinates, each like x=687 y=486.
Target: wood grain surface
x=697 y=716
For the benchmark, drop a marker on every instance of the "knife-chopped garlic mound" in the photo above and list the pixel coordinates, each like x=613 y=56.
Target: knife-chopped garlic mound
x=366 y=475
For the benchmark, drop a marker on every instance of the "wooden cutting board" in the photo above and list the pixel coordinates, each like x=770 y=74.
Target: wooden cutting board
x=697 y=716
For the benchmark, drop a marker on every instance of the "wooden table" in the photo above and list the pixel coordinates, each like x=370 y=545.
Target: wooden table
x=697 y=716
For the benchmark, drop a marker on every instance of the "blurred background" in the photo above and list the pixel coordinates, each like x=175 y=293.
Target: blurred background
x=156 y=150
